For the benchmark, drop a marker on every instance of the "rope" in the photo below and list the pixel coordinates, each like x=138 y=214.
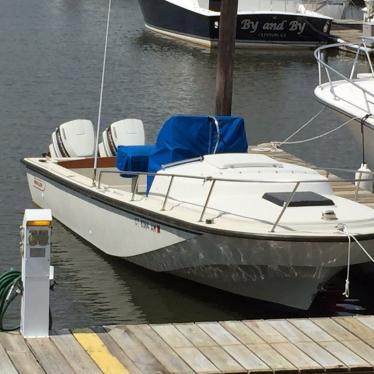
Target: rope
x=101 y=94
x=275 y=144
x=343 y=228
x=302 y=127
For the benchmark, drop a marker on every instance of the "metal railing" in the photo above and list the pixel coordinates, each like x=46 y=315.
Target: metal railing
x=214 y=180
x=328 y=69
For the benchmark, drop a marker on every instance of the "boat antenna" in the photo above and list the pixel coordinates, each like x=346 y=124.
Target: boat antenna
x=101 y=96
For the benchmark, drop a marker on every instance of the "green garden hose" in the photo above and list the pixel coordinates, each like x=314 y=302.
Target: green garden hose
x=10 y=288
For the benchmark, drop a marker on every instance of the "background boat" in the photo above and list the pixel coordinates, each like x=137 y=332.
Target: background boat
x=259 y=22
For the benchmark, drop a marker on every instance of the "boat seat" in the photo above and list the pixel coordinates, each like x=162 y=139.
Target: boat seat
x=184 y=137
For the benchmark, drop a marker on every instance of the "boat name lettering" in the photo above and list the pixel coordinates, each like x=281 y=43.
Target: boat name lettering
x=247 y=24
x=254 y=26
x=297 y=26
x=274 y=26
x=147 y=225
x=39 y=184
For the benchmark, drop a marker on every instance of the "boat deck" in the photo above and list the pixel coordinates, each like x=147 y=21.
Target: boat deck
x=342 y=189
x=314 y=345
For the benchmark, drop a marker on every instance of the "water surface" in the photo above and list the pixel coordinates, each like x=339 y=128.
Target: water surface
x=50 y=71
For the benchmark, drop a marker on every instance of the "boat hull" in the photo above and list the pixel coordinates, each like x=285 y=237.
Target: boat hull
x=281 y=271
x=253 y=29
x=348 y=102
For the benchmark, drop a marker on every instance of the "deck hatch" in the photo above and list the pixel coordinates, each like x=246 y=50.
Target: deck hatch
x=303 y=198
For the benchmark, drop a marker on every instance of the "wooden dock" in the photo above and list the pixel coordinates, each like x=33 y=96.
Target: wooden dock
x=342 y=189
x=349 y=33
x=315 y=345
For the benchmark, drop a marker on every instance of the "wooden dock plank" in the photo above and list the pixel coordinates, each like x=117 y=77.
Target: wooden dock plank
x=163 y=353
x=196 y=360
x=176 y=340
x=218 y=333
x=292 y=333
x=247 y=359
x=99 y=352
x=357 y=328
x=312 y=330
x=334 y=329
x=241 y=332
x=77 y=357
x=361 y=349
x=266 y=331
x=116 y=351
x=172 y=336
x=49 y=357
x=272 y=358
x=195 y=335
x=134 y=349
x=20 y=354
x=297 y=357
x=346 y=356
x=6 y=365
x=321 y=356
x=367 y=321
x=222 y=360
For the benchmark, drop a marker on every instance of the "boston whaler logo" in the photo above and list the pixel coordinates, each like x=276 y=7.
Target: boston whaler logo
x=39 y=184
x=147 y=225
x=253 y=26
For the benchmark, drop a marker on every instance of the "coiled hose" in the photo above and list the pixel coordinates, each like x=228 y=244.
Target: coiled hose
x=10 y=288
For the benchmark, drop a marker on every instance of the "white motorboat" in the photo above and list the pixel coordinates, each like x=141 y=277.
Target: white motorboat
x=198 y=206
x=350 y=94
x=331 y=8
x=259 y=22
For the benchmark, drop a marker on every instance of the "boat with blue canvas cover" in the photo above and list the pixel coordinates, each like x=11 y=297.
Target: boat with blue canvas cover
x=197 y=205
x=275 y=23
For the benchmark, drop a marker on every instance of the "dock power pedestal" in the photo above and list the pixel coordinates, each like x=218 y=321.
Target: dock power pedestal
x=36 y=272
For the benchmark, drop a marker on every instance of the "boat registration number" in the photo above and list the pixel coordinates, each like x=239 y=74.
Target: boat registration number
x=146 y=225
x=39 y=184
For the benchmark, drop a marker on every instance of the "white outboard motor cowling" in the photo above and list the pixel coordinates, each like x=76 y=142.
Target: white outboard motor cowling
x=128 y=131
x=73 y=139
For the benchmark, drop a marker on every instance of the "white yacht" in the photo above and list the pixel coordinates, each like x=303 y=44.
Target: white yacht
x=197 y=205
x=352 y=94
x=330 y=8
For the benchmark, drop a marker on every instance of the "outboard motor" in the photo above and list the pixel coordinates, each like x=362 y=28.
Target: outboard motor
x=125 y=132
x=73 y=139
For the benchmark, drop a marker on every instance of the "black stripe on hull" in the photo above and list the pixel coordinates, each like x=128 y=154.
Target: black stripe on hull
x=252 y=28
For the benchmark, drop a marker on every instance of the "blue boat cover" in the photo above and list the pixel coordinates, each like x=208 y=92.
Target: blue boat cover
x=183 y=137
